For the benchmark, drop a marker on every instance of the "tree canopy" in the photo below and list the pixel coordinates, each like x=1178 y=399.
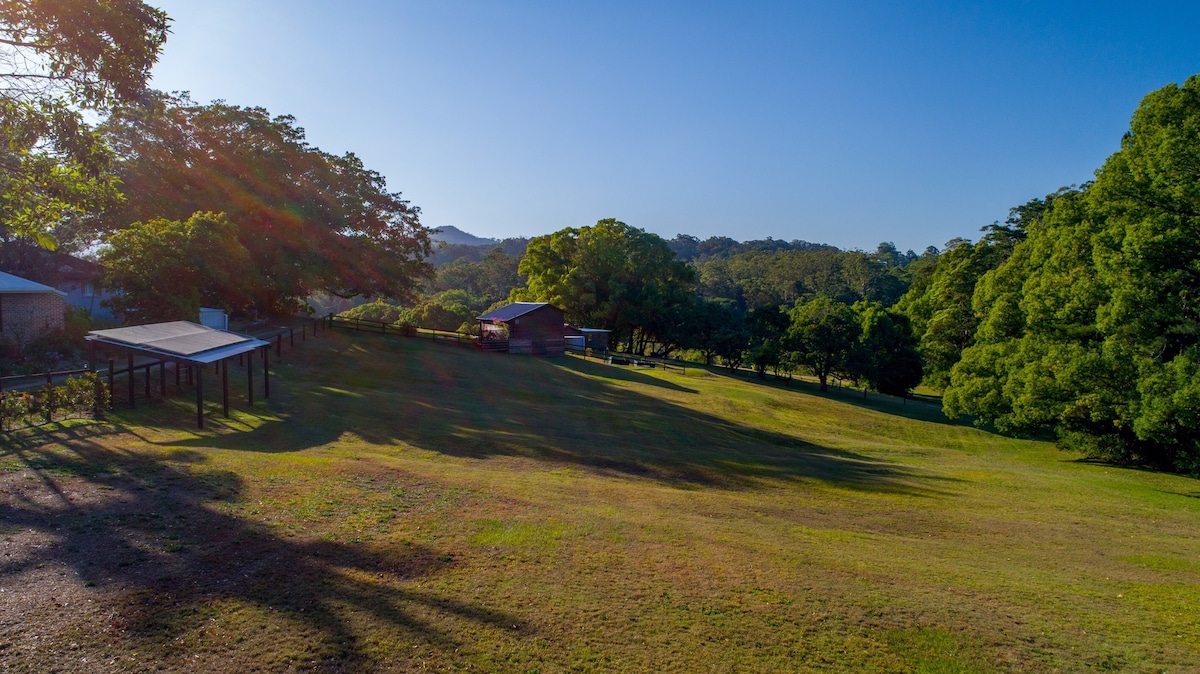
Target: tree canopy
x=309 y=220
x=168 y=269
x=58 y=57
x=1091 y=327
x=609 y=275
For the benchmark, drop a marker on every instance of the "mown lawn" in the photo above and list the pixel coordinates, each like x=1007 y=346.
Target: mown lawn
x=401 y=505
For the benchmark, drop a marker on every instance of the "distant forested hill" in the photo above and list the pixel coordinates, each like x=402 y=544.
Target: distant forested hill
x=453 y=235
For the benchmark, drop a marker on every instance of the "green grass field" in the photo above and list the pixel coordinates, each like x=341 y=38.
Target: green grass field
x=401 y=505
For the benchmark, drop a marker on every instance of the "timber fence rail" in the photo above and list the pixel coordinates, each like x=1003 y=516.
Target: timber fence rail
x=384 y=328
x=21 y=381
x=632 y=360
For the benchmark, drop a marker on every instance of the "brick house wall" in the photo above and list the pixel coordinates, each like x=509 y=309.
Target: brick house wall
x=27 y=316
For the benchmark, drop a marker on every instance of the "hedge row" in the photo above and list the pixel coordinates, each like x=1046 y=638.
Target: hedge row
x=74 y=398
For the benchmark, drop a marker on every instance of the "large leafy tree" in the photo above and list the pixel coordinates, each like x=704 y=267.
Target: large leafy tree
x=311 y=221
x=608 y=275
x=57 y=59
x=824 y=336
x=168 y=269
x=1092 y=327
x=767 y=346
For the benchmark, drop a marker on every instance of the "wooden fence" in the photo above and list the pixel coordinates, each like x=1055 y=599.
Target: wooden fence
x=632 y=360
x=382 y=328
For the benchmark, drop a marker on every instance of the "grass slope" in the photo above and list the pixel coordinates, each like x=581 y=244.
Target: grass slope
x=405 y=505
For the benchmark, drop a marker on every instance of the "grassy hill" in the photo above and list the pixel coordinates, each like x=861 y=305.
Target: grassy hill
x=405 y=505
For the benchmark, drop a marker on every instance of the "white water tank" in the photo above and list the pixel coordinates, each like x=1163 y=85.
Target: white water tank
x=214 y=318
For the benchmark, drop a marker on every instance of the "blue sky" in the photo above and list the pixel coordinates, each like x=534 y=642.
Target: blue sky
x=842 y=123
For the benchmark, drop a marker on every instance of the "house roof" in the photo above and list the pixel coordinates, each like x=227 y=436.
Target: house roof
x=16 y=284
x=179 y=340
x=510 y=311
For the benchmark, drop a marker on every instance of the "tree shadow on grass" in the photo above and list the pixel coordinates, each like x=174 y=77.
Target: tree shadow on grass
x=917 y=408
x=477 y=405
x=152 y=532
x=621 y=373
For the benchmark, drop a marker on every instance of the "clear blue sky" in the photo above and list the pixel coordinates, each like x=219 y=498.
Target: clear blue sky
x=843 y=123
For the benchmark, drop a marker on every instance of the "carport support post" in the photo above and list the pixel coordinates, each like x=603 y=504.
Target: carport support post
x=266 y=372
x=199 y=397
x=250 y=376
x=112 y=393
x=148 y=380
x=131 y=383
x=96 y=388
x=225 y=387
x=162 y=378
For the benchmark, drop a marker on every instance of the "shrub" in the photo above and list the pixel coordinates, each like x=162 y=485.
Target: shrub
x=14 y=407
x=85 y=394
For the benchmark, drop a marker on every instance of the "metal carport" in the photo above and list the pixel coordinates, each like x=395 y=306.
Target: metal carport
x=184 y=343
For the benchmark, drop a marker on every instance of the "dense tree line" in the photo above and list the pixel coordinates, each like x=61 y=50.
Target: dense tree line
x=621 y=278
x=1090 y=328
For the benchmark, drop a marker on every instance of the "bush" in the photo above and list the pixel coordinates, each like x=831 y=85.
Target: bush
x=14 y=407
x=75 y=398
x=82 y=395
x=375 y=311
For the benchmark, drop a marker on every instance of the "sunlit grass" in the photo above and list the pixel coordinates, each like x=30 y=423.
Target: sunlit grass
x=400 y=504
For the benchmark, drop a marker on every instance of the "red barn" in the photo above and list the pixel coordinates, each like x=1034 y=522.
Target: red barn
x=523 y=327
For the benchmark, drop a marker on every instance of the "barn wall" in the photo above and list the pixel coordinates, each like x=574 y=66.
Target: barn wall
x=538 y=332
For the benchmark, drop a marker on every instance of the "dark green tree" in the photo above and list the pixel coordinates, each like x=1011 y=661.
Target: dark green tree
x=889 y=359
x=824 y=336
x=767 y=332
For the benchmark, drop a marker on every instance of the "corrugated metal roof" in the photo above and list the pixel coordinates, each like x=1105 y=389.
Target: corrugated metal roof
x=510 y=311
x=180 y=339
x=16 y=284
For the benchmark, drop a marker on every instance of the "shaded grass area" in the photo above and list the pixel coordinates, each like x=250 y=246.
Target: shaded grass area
x=400 y=505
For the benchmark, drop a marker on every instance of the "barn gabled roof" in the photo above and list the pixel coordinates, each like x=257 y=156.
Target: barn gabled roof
x=510 y=311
